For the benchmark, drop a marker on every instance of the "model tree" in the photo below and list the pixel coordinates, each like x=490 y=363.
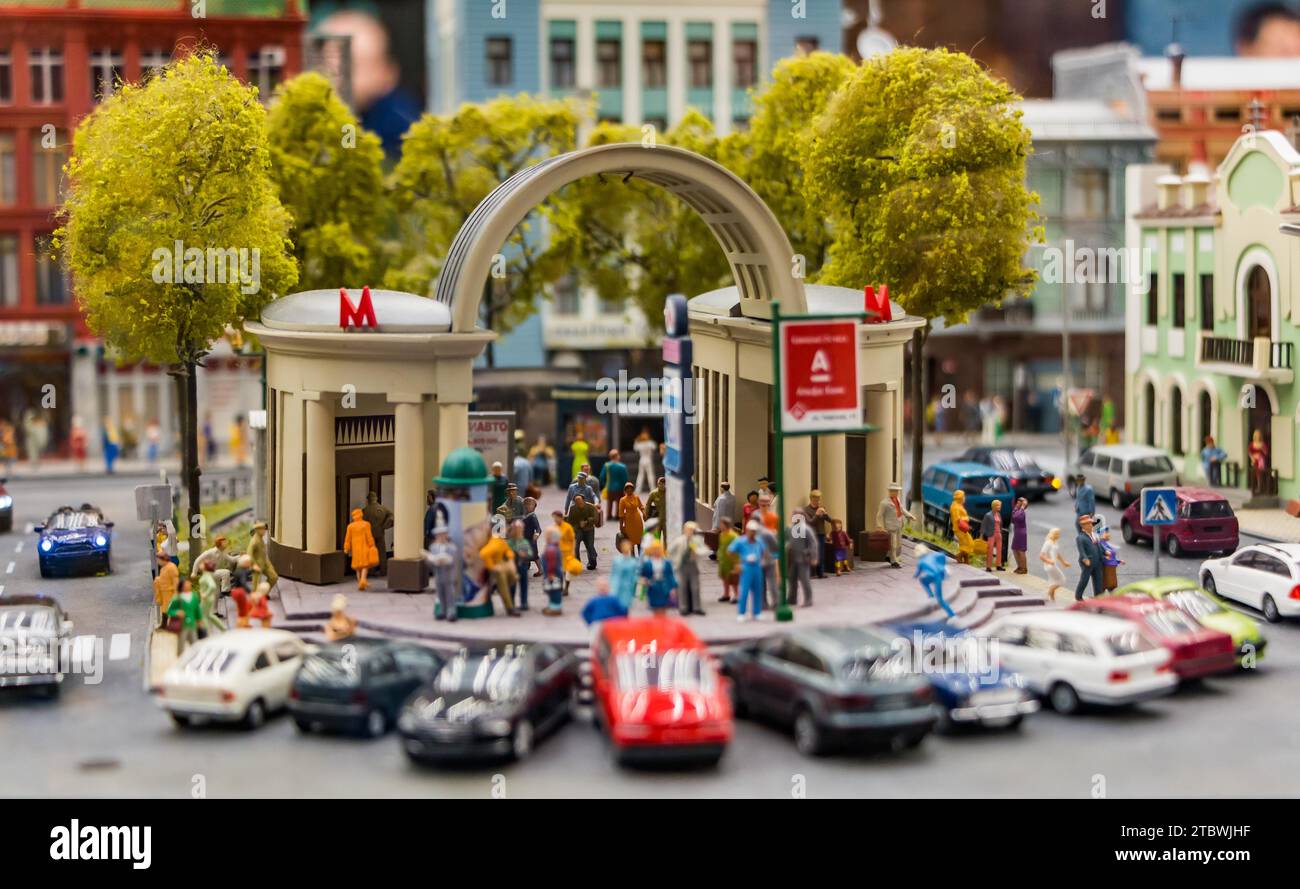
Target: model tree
x=330 y=177
x=918 y=161
x=172 y=230
x=449 y=164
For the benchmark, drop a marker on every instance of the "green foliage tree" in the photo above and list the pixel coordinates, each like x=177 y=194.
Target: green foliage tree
x=172 y=229
x=329 y=173
x=449 y=164
x=918 y=161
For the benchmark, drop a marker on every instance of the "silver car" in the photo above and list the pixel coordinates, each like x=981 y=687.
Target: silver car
x=1118 y=473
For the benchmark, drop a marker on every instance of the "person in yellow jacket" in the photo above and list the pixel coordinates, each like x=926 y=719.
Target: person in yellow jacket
x=568 y=544
x=961 y=527
x=166 y=583
x=359 y=543
x=499 y=560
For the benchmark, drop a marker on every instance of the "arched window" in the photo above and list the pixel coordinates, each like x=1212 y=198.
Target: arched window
x=1176 y=445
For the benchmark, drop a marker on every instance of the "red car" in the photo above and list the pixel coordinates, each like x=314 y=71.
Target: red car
x=658 y=693
x=1205 y=523
x=1195 y=650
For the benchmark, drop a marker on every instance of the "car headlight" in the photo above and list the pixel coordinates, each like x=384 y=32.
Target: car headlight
x=497 y=728
x=6 y=501
x=406 y=722
x=101 y=541
x=47 y=545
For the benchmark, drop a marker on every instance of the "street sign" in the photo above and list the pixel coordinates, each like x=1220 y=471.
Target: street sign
x=1079 y=399
x=679 y=439
x=1159 y=506
x=819 y=375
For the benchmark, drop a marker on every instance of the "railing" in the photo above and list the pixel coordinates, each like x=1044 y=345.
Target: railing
x=1230 y=474
x=1263 y=482
x=1229 y=351
x=1279 y=355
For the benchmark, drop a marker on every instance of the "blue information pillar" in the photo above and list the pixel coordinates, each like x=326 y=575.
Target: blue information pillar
x=679 y=400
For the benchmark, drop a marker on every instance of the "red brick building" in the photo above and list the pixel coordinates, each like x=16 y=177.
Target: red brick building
x=57 y=59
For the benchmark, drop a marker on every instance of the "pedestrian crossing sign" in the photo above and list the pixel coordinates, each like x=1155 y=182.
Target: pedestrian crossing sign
x=1159 y=506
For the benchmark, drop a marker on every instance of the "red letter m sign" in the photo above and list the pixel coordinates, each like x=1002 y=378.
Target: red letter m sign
x=356 y=316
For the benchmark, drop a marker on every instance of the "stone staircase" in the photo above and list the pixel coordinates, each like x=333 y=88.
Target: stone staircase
x=979 y=596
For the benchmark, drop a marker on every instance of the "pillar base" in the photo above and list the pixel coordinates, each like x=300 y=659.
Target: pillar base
x=407 y=575
x=296 y=564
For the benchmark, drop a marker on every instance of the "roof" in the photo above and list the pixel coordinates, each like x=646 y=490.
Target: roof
x=1128 y=603
x=463 y=467
x=1064 y=621
x=1292 y=550
x=1197 y=495
x=1064 y=120
x=1219 y=73
x=395 y=311
x=29 y=599
x=1125 y=451
x=822 y=299
x=668 y=632
x=840 y=642
x=967 y=467
x=245 y=640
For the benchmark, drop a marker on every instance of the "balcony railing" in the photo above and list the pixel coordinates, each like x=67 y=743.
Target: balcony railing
x=1228 y=351
x=1280 y=355
x=1016 y=313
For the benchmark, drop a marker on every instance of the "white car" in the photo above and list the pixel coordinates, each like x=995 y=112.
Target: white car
x=239 y=675
x=1070 y=657
x=1262 y=575
x=1118 y=473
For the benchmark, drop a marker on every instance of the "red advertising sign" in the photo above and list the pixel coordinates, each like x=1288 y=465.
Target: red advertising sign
x=819 y=363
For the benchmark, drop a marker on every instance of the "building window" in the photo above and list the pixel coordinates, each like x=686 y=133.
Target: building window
x=1153 y=297
x=8 y=270
x=744 y=55
x=152 y=63
x=1169 y=114
x=1227 y=114
x=562 y=76
x=1180 y=300
x=609 y=63
x=46 y=66
x=8 y=171
x=653 y=65
x=1087 y=194
x=805 y=45
x=660 y=125
x=701 y=58
x=500 y=61
x=1207 y=302
x=51 y=282
x=49 y=154
x=266 y=70
x=1176 y=421
x=105 y=73
x=6 y=78
x=566 y=296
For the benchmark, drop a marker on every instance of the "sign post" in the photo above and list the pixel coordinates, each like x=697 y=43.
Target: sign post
x=814 y=391
x=679 y=402
x=1159 y=508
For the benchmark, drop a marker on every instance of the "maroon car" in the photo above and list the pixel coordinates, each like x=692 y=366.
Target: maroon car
x=1205 y=524
x=1194 y=650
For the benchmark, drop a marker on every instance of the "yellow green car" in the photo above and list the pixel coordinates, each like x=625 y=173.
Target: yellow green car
x=1207 y=608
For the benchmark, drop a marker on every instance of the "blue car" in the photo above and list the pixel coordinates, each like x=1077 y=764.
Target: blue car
x=968 y=691
x=982 y=484
x=74 y=540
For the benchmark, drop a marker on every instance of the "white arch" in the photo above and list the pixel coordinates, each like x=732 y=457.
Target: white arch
x=1257 y=256
x=1268 y=390
x=1146 y=376
x=1176 y=381
x=756 y=246
x=1198 y=386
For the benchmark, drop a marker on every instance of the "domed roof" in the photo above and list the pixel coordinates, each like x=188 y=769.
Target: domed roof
x=395 y=311
x=463 y=468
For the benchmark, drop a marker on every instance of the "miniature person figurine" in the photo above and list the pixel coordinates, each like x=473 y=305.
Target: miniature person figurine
x=380 y=518
x=991 y=532
x=771 y=561
x=767 y=511
x=684 y=554
x=728 y=564
x=1258 y=454
x=1053 y=562
x=187 y=609
x=645 y=448
x=613 y=478
x=655 y=503
x=1110 y=562
x=444 y=558
x=513 y=506
x=1212 y=457
x=533 y=532
x=623 y=575
x=208 y=593
x=842 y=544
x=802 y=552
x=552 y=572
x=1020 y=534
x=931 y=569
x=525 y=555
x=499 y=560
x=889 y=518
x=263 y=570
x=631 y=517
x=568 y=543
x=724 y=506
x=658 y=578
x=961 y=526
x=581 y=484
x=164 y=585
x=215 y=554
x=749 y=552
x=359 y=542
x=260 y=609
x=579 y=449
x=1089 y=558
x=583 y=516
x=818 y=520
x=1085 y=498
x=341 y=625
x=499 y=485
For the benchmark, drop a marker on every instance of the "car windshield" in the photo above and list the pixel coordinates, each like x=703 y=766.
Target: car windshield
x=337 y=667
x=984 y=484
x=677 y=669
x=1015 y=461
x=71 y=519
x=202 y=659
x=1170 y=622
x=493 y=677
x=1150 y=465
x=875 y=667
x=1209 y=509
x=27 y=617
x=1194 y=602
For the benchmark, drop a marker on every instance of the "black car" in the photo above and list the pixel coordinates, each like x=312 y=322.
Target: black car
x=490 y=702
x=75 y=540
x=834 y=686
x=1028 y=479
x=358 y=685
x=34 y=632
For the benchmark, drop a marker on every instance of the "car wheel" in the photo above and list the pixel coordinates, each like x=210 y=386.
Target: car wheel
x=181 y=720
x=1173 y=547
x=376 y=723
x=302 y=725
x=1271 y=614
x=1116 y=498
x=808 y=736
x=255 y=715
x=899 y=743
x=945 y=725
x=1126 y=528
x=738 y=708
x=521 y=742
x=45 y=572
x=1208 y=583
x=1064 y=699
x=52 y=690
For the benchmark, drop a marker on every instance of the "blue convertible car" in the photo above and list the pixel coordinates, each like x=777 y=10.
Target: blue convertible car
x=74 y=541
x=969 y=690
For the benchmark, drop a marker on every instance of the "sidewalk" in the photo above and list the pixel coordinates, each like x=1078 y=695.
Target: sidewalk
x=93 y=468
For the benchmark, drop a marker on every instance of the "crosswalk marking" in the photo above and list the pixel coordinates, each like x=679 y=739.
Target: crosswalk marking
x=119 y=647
x=10 y=569
x=18 y=547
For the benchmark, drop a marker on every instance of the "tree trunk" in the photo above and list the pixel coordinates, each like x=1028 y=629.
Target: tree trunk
x=488 y=318
x=190 y=446
x=918 y=408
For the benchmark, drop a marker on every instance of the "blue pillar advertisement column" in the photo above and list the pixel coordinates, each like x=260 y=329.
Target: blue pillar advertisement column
x=679 y=400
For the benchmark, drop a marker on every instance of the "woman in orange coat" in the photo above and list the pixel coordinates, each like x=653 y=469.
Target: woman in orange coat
x=631 y=517
x=359 y=543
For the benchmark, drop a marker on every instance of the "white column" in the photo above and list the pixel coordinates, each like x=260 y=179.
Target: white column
x=632 y=71
x=676 y=61
x=408 y=467
x=289 y=455
x=881 y=446
x=831 y=466
x=722 y=76
x=319 y=495
x=585 y=62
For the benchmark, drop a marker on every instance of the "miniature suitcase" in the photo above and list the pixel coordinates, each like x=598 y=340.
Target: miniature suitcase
x=873 y=546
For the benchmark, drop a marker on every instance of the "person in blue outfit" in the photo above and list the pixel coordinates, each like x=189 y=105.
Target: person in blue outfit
x=1212 y=457
x=1090 y=558
x=658 y=578
x=931 y=569
x=1085 y=498
x=750 y=552
x=620 y=590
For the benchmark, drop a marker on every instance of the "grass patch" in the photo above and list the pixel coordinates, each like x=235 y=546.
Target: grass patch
x=949 y=546
x=214 y=514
